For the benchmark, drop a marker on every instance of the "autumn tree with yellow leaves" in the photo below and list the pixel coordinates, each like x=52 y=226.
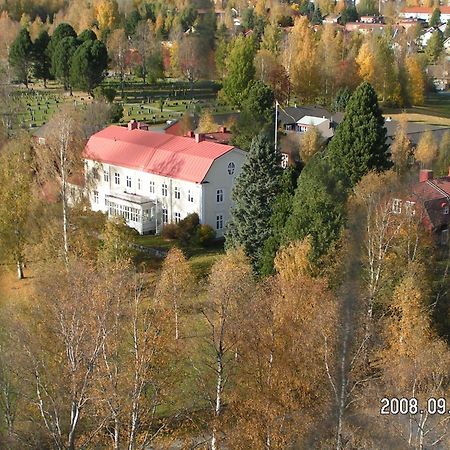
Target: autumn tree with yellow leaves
x=416 y=80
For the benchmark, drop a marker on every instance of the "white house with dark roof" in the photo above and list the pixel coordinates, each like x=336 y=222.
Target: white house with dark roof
x=152 y=178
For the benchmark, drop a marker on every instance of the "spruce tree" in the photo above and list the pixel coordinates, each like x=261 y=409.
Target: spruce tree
x=318 y=207
x=254 y=194
x=88 y=65
x=41 y=61
x=435 y=19
x=62 y=60
x=62 y=31
x=281 y=211
x=359 y=144
x=20 y=56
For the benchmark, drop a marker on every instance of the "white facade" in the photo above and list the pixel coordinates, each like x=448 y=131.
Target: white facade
x=147 y=201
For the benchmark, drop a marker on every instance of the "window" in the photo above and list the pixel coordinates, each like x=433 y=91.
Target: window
x=105 y=176
x=396 y=206
x=190 y=196
x=219 y=195
x=284 y=160
x=106 y=203
x=177 y=217
x=164 y=190
x=219 y=222
x=152 y=187
x=446 y=209
x=128 y=181
x=231 y=168
x=117 y=178
x=165 y=215
x=95 y=196
x=139 y=184
x=177 y=192
x=410 y=208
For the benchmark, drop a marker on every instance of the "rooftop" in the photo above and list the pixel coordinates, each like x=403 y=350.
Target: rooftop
x=148 y=151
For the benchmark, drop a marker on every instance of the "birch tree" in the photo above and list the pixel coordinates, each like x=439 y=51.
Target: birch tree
x=15 y=200
x=59 y=158
x=63 y=344
x=175 y=284
x=285 y=357
x=133 y=367
x=230 y=283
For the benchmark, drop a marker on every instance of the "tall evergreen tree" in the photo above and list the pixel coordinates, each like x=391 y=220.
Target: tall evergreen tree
x=87 y=35
x=62 y=60
x=359 y=144
x=281 y=212
x=435 y=19
x=318 y=208
x=254 y=194
x=62 y=31
x=88 y=65
x=316 y=18
x=41 y=61
x=20 y=56
x=435 y=46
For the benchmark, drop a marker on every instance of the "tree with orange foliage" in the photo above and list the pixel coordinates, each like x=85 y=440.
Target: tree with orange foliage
x=416 y=80
x=366 y=63
x=301 y=60
x=427 y=150
x=175 y=284
x=106 y=14
x=285 y=363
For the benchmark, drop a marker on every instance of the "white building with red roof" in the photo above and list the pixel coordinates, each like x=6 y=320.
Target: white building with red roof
x=424 y=13
x=152 y=178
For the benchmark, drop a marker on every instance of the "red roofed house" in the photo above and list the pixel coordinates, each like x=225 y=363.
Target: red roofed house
x=433 y=197
x=152 y=178
x=424 y=13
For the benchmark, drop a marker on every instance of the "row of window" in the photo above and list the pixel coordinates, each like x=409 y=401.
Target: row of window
x=164 y=189
x=410 y=207
x=134 y=215
x=129 y=213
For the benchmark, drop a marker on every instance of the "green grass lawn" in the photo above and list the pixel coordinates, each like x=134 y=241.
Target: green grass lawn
x=436 y=104
x=200 y=258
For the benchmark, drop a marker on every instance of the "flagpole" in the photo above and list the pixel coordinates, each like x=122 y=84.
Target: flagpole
x=276 y=124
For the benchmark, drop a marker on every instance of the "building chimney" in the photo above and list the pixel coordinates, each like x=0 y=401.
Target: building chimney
x=223 y=129
x=425 y=175
x=132 y=125
x=190 y=134
x=199 y=137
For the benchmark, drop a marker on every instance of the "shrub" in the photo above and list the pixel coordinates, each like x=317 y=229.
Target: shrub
x=170 y=231
x=206 y=234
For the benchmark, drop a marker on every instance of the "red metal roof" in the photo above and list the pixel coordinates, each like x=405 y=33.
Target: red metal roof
x=153 y=152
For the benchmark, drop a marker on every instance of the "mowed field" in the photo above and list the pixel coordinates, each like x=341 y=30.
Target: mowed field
x=436 y=110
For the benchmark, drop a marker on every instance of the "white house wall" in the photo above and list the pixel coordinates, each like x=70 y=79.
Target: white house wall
x=204 y=195
x=218 y=178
